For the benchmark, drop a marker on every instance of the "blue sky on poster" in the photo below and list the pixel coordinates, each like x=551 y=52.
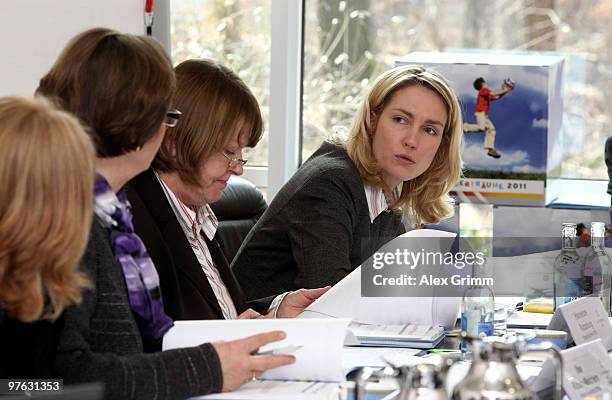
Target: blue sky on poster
x=520 y=117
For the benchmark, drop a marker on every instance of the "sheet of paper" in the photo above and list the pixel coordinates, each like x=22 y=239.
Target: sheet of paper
x=344 y=301
x=320 y=339
x=279 y=390
x=587 y=320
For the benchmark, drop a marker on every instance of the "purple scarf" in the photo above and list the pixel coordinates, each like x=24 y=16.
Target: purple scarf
x=138 y=270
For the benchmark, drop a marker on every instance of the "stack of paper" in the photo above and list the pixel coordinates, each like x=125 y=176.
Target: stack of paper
x=344 y=300
x=407 y=335
x=317 y=338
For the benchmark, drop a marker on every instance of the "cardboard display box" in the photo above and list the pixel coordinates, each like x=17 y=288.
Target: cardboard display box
x=521 y=125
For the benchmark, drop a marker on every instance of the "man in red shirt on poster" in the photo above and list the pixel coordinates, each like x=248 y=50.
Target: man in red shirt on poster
x=483 y=122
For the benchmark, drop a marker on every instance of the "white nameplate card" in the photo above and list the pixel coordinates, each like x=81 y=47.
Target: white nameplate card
x=586 y=320
x=588 y=371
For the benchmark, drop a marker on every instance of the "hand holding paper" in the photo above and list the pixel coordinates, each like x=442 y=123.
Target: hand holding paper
x=239 y=364
x=319 y=338
x=295 y=302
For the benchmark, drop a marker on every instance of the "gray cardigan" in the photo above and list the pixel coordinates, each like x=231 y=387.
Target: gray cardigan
x=316 y=230
x=100 y=341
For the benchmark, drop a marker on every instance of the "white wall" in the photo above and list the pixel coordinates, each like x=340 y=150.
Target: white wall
x=33 y=33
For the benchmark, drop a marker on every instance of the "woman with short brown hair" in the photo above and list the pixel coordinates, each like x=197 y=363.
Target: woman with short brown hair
x=120 y=86
x=221 y=105
x=84 y=81
x=171 y=200
x=46 y=170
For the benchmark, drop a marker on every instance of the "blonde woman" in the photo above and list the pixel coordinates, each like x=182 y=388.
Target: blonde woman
x=402 y=157
x=46 y=198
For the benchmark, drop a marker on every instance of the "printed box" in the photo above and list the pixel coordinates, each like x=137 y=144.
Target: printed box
x=512 y=112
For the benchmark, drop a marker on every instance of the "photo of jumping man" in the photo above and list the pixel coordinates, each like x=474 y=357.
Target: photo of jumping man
x=483 y=122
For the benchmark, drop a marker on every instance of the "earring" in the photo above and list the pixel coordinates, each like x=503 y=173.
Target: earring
x=138 y=148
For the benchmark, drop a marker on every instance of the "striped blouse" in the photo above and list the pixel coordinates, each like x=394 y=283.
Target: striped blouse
x=195 y=223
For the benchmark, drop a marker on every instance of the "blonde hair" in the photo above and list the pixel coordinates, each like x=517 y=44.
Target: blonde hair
x=424 y=198
x=47 y=173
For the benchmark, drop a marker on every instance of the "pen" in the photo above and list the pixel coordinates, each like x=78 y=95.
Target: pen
x=281 y=351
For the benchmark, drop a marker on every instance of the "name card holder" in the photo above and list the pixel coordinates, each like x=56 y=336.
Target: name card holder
x=584 y=320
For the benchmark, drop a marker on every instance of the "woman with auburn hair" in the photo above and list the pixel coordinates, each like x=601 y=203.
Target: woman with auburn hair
x=46 y=170
x=171 y=200
x=120 y=86
x=402 y=157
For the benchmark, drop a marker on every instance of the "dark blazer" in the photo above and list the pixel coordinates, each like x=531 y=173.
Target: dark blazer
x=186 y=292
x=316 y=230
x=100 y=341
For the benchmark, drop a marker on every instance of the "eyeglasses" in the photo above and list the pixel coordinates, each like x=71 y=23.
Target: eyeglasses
x=172 y=118
x=233 y=161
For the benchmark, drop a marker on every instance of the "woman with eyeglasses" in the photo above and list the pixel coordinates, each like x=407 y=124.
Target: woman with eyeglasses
x=120 y=86
x=171 y=200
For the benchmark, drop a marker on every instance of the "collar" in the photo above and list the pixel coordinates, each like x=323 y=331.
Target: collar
x=377 y=201
x=191 y=219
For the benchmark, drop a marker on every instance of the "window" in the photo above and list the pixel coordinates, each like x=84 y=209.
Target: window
x=347 y=43
x=235 y=33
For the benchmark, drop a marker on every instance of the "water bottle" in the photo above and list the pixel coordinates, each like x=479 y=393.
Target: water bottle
x=567 y=276
x=597 y=267
x=477 y=313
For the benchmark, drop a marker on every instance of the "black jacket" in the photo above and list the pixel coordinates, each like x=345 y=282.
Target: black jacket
x=100 y=341
x=186 y=292
x=316 y=230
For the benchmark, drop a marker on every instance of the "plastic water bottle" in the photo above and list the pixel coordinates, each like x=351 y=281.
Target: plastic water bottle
x=597 y=267
x=567 y=276
x=477 y=313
